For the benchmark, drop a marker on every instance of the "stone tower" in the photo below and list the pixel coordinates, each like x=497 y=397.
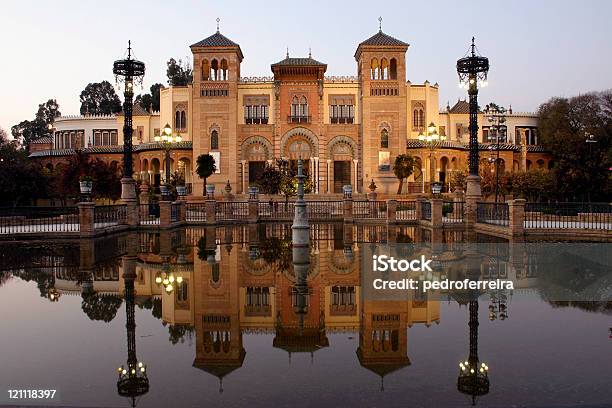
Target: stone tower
x=381 y=69
x=216 y=72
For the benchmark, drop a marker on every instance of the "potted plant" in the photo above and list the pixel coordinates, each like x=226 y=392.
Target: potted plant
x=86 y=184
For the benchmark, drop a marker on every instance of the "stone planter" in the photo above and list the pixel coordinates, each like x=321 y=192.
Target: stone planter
x=163 y=189
x=181 y=191
x=210 y=191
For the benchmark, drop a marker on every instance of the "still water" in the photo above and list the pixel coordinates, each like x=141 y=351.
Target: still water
x=243 y=327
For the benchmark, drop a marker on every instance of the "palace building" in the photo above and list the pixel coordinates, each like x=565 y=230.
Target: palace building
x=348 y=129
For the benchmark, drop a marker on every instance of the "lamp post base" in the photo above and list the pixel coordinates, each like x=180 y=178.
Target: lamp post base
x=128 y=189
x=473 y=195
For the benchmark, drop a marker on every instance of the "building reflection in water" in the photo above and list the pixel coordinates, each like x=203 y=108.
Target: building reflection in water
x=243 y=280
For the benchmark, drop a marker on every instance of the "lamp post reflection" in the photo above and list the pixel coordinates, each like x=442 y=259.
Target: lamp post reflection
x=473 y=375
x=133 y=381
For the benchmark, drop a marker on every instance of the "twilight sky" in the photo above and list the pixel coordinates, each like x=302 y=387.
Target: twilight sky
x=537 y=49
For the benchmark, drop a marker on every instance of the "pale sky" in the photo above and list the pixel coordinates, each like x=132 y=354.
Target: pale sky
x=537 y=49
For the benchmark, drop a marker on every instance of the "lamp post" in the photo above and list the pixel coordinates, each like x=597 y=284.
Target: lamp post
x=128 y=71
x=496 y=116
x=167 y=140
x=473 y=70
x=431 y=139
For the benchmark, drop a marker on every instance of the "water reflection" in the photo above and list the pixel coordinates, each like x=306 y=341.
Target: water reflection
x=216 y=285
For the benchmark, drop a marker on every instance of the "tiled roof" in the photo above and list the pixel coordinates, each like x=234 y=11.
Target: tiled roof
x=381 y=38
x=298 y=62
x=536 y=149
x=462 y=107
x=185 y=145
x=42 y=140
x=417 y=144
x=218 y=40
x=137 y=110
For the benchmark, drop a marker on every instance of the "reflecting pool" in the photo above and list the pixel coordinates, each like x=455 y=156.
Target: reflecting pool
x=234 y=316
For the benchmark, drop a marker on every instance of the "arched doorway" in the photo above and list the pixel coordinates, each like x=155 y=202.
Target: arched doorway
x=443 y=170
x=155 y=166
x=256 y=151
x=341 y=152
x=301 y=143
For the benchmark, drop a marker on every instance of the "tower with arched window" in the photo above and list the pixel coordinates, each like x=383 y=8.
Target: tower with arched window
x=381 y=64
x=216 y=73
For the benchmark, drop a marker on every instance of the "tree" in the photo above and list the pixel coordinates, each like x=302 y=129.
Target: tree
x=288 y=182
x=402 y=168
x=27 y=131
x=99 y=98
x=21 y=180
x=270 y=180
x=179 y=73
x=205 y=167
x=580 y=169
x=106 y=180
x=150 y=101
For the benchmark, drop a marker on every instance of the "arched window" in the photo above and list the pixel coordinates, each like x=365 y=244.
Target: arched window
x=418 y=117
x=384 y=139
x=393 y=68
x=303 y=107
x=224 y=70
x=205 y=70
x=374 y=69
x=214 y=140
x=384 y=69
x=177 y=120
x=295 y=107
x=214 y=70
x=183 y=120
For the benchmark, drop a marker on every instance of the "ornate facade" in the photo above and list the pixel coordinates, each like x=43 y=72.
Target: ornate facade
x=348 y=129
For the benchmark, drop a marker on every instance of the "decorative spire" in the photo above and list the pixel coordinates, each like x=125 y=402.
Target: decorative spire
x=473 y=47
x=129 y=49
x=380 y=24
x=287 y=52
x=218 y=19
x=309 y=52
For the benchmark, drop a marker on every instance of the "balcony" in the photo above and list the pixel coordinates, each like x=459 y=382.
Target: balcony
x=257 y=310
x=256 y=121
x=298 y=119
x=341 y=120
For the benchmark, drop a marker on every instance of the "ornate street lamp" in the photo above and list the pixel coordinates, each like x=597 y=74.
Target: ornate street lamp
x=473 y=70
x=133 y=381
x=431 y=140
x=128 y=71
x=496 y=115
x=167 y=140
x=473 y=375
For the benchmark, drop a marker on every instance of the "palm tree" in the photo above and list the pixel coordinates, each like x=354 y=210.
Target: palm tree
x=205 y=167
x=402 y=168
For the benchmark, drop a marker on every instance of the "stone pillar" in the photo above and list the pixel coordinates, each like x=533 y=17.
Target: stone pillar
x=327 y=177
x=165 y=214
x=418 y=208
x=182 y=211
x=242 y=176
x=86 y=219
x=516 y=213
x=470 y=210
x=144 y=193
x=253 y=204
x=436 y=213
x=391 y=211
x=355 y=178
x=211 y=214
x=348 y=203
x=132 y=217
